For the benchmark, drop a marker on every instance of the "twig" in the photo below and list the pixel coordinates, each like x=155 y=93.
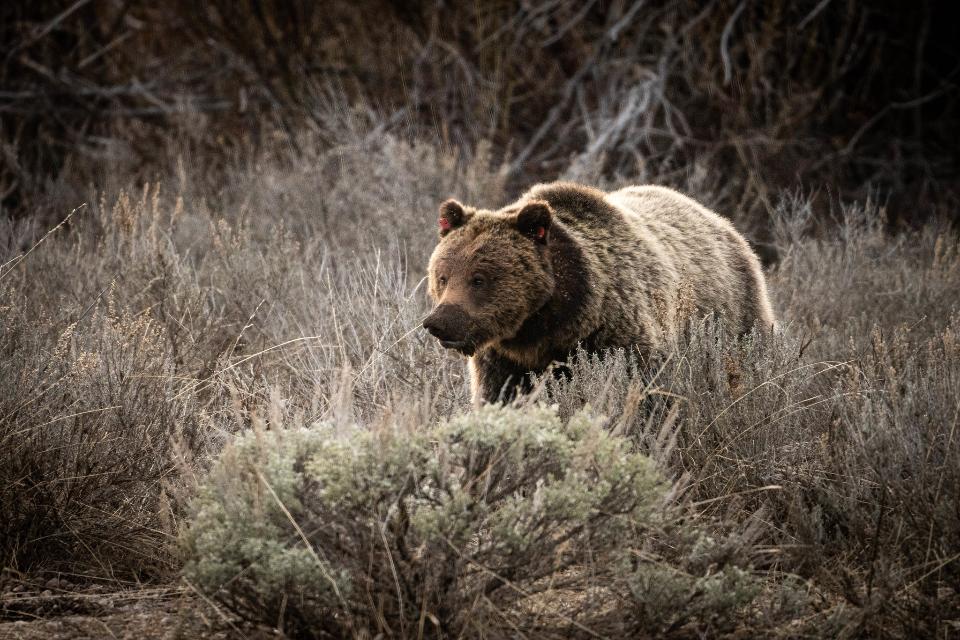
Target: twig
x=813 y=14
x=18 y=259
x=725 y=43
x=303 y=537
x=213 y=606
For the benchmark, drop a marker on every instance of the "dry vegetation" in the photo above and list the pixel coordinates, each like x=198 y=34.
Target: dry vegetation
x=214 y=367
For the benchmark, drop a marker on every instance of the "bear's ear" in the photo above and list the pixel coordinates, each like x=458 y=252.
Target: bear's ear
x=534 y=220
x=452 y=215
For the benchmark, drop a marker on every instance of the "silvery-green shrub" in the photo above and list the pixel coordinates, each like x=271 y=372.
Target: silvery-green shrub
x=466 y=527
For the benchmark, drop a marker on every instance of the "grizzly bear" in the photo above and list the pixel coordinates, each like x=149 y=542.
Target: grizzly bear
x=569 y=265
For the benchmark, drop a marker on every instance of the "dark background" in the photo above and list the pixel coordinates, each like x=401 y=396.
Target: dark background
x=842 y=97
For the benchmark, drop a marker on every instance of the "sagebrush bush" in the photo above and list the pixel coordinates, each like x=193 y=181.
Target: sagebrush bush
x=90 y=422
x=329 y=532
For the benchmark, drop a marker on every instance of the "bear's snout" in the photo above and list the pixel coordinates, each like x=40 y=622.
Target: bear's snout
x=449 y=324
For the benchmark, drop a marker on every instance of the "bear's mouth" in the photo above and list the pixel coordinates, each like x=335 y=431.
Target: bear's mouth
x=466 y=347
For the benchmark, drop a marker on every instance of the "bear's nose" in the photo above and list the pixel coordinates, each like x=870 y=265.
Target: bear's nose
x=437 y=328
x=447 y=323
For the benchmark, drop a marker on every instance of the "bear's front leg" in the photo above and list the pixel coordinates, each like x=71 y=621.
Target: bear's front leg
x=494 y=378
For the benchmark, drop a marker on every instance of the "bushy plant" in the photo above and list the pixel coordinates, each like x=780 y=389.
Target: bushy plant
x=87 y=454
x=455 y=528
x=708 y=593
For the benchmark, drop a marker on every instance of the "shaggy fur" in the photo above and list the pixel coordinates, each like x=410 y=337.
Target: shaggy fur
x=519 y=288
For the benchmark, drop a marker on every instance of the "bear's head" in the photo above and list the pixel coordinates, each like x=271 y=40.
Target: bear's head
x=489 y=273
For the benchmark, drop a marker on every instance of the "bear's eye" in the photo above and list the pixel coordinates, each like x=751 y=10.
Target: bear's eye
x=478 y=281
x=442 y=280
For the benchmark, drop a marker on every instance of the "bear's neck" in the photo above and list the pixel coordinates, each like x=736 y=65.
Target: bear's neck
x=552 y=332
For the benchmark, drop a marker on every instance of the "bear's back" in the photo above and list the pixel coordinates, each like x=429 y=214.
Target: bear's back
x=577 y=205
x=667 y=212
x=648 y=208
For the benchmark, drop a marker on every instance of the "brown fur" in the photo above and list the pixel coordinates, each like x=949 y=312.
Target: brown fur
x=520 y=288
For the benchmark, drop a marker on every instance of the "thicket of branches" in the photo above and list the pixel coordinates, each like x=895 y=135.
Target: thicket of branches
x=735 y=96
